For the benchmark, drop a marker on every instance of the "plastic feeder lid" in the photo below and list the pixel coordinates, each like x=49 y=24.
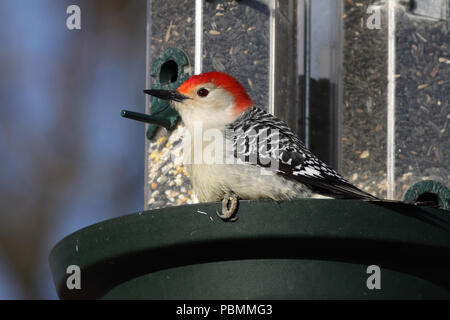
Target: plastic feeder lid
x=143 y=250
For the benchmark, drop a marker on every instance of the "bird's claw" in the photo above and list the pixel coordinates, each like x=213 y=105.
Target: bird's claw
x=225 y=218
x=229 y=211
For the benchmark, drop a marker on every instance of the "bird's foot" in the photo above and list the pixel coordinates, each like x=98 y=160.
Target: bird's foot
x=230 y=205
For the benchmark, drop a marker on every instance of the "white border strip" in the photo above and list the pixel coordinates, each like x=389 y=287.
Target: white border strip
x=390 y=161
x=198 y=36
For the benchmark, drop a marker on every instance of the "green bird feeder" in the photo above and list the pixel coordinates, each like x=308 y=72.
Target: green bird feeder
x=327 y=69
x=303 y=249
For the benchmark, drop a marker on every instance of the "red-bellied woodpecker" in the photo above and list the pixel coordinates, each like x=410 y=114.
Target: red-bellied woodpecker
x=256 y=155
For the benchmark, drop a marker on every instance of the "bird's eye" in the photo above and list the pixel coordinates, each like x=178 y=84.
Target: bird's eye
x=202 y=92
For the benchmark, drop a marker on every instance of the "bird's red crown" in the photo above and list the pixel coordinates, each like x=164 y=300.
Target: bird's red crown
x=220 y=79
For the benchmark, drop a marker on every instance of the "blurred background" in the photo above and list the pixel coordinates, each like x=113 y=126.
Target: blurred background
x=67 y=158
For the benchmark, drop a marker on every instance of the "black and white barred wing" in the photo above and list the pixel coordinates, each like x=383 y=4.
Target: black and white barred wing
x=260 y=139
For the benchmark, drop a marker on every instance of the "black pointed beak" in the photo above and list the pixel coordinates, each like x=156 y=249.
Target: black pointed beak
x=166 y=95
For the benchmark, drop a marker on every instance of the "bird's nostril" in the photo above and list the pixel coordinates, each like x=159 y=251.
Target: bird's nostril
x=169 y=72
